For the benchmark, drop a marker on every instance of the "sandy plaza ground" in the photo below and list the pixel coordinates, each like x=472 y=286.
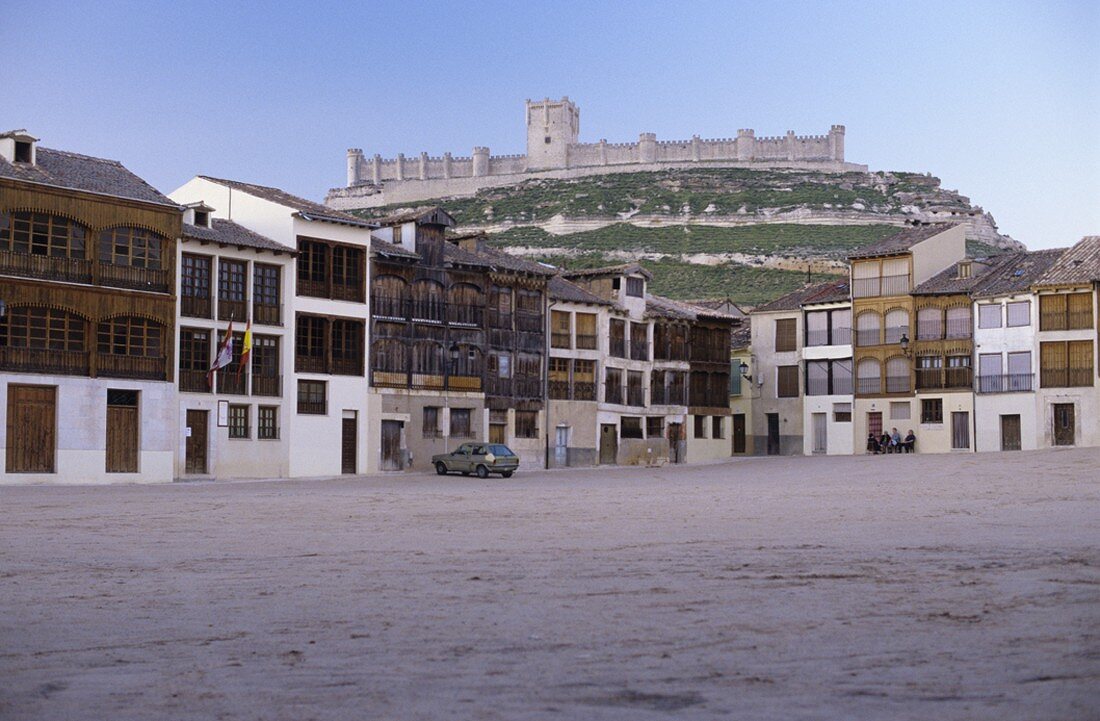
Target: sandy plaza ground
x=869 y=587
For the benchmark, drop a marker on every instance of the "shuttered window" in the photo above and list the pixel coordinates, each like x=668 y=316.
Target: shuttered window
x=989 y=315
x=868 y=326
x=1065 y=364
x=1018 y=313
x=787 y=386
x=786 y=330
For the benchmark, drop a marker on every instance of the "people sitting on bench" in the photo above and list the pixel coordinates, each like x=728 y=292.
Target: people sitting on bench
x=910 y=442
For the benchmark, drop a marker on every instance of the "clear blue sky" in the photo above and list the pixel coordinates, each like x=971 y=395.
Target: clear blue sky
x=1001 y=100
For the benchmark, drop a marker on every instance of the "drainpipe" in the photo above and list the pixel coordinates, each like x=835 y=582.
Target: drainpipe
x=546 y=372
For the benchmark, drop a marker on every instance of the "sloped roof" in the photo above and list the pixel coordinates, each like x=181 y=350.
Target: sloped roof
x=659 y=306
x=948 y=282
x=227 y=232
x=741 y=337
x=901 y=241
x=721 y=304
x=392 y=250
x=835 y=291
x=1016 y=273
x=813 y=293
x=623 y=269
x=62 y=169
x=433 y=214
x=309 y=209
x=561 y=289
x=1079 y=264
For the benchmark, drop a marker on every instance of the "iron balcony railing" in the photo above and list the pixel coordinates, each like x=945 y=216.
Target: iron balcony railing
x=618 y=347
x=586 y=341
x=613 y=393
x=1007 y=383
x=826 y=336
x=897 y=384
x=886 y=285
x=868 y=337
x=869 y=385
x=560 y=339
x=584 y=391
x=895 y=332
x=823 y=386
x=639 y=351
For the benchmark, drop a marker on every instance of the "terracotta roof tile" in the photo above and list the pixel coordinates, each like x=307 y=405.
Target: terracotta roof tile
x=1079 y=264
x=901 y=241
x=561 y=289
x=229 y=233
x=314 y=211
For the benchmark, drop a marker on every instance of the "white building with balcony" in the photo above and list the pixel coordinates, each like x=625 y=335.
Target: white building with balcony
x=827 y=357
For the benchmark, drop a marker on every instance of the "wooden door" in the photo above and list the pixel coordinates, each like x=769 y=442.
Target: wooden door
x=348 y=445
x=496 y=433
x=195 y=449
x=739 y=445
x=609 y=444
x=820 y=429
x=1064 y=424
x=122 y=431
x=32 y=435
x=960 y=429
x=675 y=442
x=874 y=423
x=773 y=434
x=391 y=445
x=1010 y=433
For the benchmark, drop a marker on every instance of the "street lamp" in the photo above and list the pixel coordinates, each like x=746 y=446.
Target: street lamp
x=904 y=344
x=744 y=368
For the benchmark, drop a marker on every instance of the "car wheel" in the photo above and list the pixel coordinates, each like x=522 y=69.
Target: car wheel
x=507 y=474
x=441 y=468
x=482 y=472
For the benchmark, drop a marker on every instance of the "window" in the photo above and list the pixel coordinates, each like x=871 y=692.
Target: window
x=654 y=427
x=897 y=325
x=842 y=412
x=238 y=421
x=785 y=335
x=989 y=315
x=1068 y=311
x=869 y=376
x=347 y=347
x=929 y=324
x=1018 y=313
x=586 y=331
x=44 y=329
x=787 y=386
x=267 y=426
x=931 y=410
x=897 y=375
x=613 y=386
x=639 y=341
x=817 y=378
x=700 y=427
x=735 y=377
x=266 y=294
x=41 y=234
x=331 y=270
x=635 y=391
x=460 y=423
x=131 y=337
x=558 y=369
x=559 y=329
x=231 y=289
x=868 y=328
x=134 y=247
x=194 y=360
x=23 y=151
x=309 y=344
x=716 y=427
x=527 y=424
x=431 y=422
x=347 y=272
x=195 y=286
x=617 y=329
x=312 y=397
x=631 y=427
x=504 y=365
x=584 y=380
x=959 y=324
x=817 y=328
x=635 y=287
x=899 y=411
x=265 y=366
x=1065 y=364
x=202 y=218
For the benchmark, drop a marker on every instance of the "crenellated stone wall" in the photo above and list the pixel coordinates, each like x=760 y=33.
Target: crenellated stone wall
x=553 y=151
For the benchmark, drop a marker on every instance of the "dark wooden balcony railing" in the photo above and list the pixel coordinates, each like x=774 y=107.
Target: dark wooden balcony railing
x=389 y=379
x=35 y=360
x=347 y=366
x=1009 y=383
x=586 y=341
x=267 y=313
x=193 y=306
x=527 y=388
x=70 y=270
x=498 y=386
x=312 y=288
x=500 y=319
x=124 y=276
x=432 y=312
x=128 y=366
x=271 y=386
x=528 y=321
x=309 y=364
x=349 y=291
x=959 y=377
x=229 y=381
x=459 y=314
x=193 y=381
x=232 y=309
x=389 y=306
x=530 y=342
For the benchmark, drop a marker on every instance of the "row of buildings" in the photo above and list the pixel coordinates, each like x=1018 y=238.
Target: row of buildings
x=357 y=346
x=970 y=354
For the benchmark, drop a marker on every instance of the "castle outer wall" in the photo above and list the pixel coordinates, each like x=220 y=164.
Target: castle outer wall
x=553 y=152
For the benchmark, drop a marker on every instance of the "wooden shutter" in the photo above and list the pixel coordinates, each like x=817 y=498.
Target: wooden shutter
x=1052 y=312
x=1079 y=306
x=1052 y=364
x=1080 y=363
x=786 y=331
x=788 y=382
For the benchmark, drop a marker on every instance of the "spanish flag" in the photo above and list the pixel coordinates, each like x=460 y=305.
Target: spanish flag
x=246 y=347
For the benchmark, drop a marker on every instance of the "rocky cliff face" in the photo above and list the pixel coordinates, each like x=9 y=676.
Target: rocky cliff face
x=715 y=218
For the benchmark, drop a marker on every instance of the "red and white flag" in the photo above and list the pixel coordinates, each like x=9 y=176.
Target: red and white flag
x=224 y=357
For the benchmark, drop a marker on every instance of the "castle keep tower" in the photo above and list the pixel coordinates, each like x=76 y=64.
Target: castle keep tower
x=552 y=126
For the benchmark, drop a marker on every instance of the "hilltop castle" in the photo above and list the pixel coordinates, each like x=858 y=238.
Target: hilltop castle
x=554 y=151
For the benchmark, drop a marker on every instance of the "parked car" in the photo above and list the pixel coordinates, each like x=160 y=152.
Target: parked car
x=479 y=458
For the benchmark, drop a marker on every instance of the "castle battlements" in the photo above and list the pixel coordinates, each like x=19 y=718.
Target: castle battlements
x=554 y=150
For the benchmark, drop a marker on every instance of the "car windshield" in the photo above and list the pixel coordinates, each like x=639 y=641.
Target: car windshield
x=499 y=450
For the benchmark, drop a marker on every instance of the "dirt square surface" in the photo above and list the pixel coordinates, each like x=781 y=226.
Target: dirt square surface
x=962 y=586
